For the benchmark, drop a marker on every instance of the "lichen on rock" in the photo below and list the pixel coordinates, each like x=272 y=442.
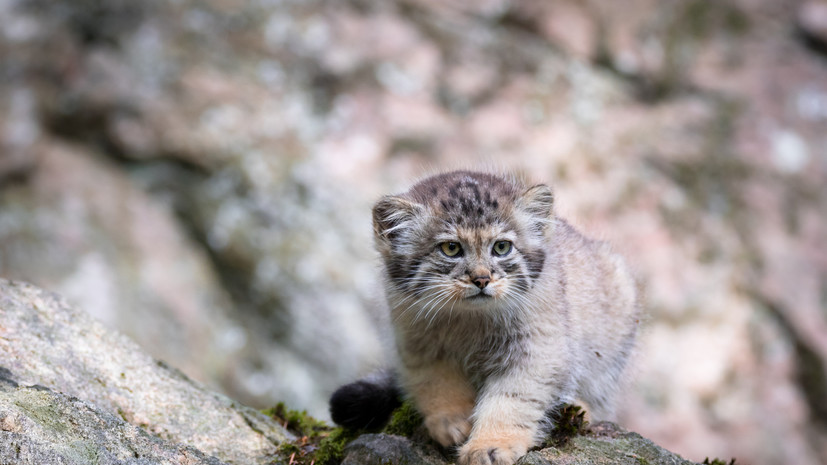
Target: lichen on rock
x=41 y=426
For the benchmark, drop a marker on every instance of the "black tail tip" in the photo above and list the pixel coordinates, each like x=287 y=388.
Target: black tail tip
x=363 y=405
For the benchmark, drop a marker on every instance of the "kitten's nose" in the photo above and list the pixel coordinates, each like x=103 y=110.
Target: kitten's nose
x=481 y=281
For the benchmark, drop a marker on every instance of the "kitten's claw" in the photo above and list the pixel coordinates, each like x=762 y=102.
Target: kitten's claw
x=448 y=430
x=480 y=454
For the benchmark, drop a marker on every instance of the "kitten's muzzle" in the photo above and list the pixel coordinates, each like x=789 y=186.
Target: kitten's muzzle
x=481 y=281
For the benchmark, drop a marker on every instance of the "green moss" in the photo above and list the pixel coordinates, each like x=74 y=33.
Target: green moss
x=331 y=448
x=316 y=442
x=319 y=444
x=404 y=421
x=297 y=422
x=286 y=449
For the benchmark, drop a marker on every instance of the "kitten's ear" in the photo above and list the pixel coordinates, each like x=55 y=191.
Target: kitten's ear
x=538 y=202
x=391 y=215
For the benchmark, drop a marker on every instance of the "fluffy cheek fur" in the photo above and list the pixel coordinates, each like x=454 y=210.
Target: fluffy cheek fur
x=433 y=282
x=456 y=285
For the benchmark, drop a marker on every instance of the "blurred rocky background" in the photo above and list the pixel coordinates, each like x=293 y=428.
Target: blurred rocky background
x=199 y=175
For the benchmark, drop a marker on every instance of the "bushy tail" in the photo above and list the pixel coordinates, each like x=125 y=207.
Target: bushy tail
x=367 y=403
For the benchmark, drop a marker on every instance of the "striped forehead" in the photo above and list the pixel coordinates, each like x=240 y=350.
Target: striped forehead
x=470 y=204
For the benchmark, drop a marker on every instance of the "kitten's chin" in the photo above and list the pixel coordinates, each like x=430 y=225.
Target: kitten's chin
x=480 y=299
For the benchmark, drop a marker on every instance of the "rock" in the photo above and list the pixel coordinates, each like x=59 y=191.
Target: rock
x=604 y=442
x=378 y=449
x=102 y=376
x=41 y=426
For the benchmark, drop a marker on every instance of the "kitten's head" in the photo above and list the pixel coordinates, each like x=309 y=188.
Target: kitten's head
x=463 y=240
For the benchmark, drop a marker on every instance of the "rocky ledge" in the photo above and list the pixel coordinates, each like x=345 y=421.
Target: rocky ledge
x=602 y=443
x=73 y=392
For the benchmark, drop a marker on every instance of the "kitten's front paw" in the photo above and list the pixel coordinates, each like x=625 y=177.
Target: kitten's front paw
x=492 y=453
x=448 y=430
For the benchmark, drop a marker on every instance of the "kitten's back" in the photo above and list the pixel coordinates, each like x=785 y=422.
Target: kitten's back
x=605 y=310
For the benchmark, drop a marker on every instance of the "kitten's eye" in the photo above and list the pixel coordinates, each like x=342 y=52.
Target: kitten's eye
x=502 y=248
x=451 y=249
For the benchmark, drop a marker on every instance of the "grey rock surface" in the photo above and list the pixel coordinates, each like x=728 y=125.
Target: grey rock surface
x=602 y=443
x=45 y=342
x=40 y=426
x=370 y=449
x=605 y=443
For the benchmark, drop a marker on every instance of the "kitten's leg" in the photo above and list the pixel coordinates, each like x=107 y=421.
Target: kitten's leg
x=507 y=418
x=445 y=398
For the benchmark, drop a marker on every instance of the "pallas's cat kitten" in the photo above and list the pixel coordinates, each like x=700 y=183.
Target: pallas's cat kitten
x=501 y=312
